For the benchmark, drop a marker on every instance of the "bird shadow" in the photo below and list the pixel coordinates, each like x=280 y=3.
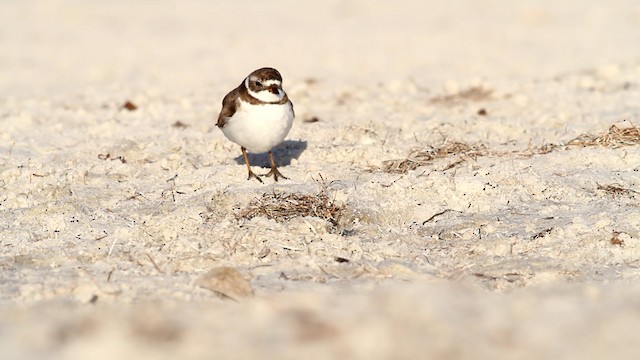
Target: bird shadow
x=287 y=150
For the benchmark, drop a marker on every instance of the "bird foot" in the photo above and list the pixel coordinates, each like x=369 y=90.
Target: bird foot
x=253 y=175
x=275 y=173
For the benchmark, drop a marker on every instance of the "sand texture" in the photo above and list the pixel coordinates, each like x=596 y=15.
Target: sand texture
x=464 y=181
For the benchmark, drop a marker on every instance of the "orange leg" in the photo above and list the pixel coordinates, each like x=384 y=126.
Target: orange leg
x=246 y=161
x=274 y=169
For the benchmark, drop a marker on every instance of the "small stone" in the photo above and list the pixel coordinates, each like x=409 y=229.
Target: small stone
x=128 y=105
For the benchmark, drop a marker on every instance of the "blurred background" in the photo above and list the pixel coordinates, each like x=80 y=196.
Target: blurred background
x=68 y=45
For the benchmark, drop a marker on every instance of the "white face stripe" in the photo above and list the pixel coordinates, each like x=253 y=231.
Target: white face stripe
x=267 y=96
x=272 y=82
x=266 y=83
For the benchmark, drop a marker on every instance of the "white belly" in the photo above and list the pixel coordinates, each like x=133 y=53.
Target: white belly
x=259 y=128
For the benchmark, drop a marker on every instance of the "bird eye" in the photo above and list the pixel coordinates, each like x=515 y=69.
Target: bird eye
x=258 y=84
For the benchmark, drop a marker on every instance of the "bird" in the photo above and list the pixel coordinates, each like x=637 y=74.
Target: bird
x=257 y=115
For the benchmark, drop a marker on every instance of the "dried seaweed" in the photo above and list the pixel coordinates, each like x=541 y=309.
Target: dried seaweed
x=282 y=207
x=616 y=190
x=474 y=93
x=424 y=156
x=615 y=137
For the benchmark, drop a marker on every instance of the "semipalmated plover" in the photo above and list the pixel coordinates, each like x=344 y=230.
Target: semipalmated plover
x=257 y=115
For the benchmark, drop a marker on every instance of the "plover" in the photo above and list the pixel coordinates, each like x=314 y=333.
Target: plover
x=257 y=115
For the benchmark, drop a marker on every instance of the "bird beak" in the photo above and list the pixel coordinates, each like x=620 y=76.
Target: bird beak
x=274 y=89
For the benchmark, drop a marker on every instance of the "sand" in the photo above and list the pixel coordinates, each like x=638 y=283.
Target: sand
x=463 y=181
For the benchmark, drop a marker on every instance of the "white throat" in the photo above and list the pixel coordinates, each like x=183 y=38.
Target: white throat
x=265 y=95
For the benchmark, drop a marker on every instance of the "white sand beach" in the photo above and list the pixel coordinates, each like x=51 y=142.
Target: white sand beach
x=464 y=181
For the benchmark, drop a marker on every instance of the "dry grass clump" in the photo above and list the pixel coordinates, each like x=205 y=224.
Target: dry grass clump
x=474 y=93
x=282 y=207
x=615 y=137
x=424 y=156
x=616 y=190
x=542 y=150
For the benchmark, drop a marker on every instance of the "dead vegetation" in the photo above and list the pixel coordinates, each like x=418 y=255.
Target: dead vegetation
x=474 y=93
x=615 y=239
x=614 y=137
x=424 y=156
x=282 y=207
x=616 y=190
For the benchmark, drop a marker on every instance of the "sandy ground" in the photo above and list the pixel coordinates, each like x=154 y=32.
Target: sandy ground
x=526 y=246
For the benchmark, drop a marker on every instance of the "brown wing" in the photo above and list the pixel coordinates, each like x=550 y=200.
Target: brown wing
x=229 y=105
